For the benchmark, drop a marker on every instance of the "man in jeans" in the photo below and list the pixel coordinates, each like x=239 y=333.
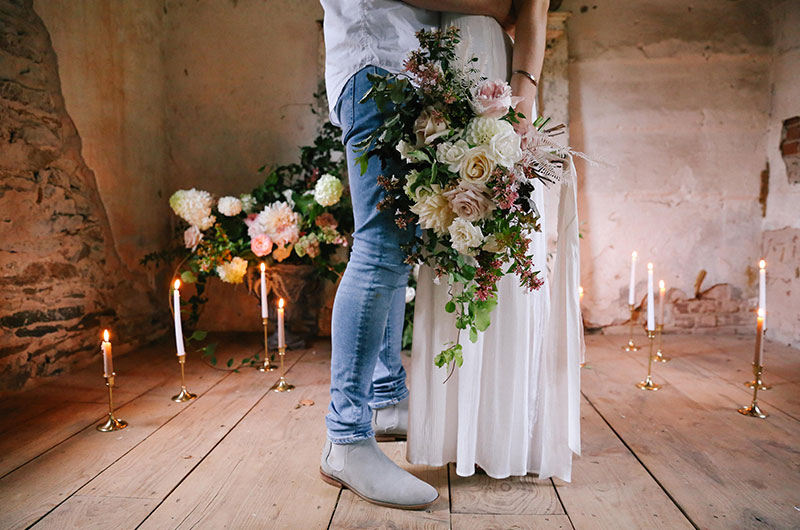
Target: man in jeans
x=368 y=389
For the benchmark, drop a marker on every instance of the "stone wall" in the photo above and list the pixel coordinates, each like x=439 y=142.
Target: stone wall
x=60 y=275
x=674 y=97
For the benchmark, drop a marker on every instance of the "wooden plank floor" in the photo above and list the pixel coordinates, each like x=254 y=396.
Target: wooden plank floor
x=241 y=456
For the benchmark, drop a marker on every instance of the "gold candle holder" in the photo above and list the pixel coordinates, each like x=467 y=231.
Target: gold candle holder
x=760 y=329
x=753 y=410
x=648 y=383
x=659 y=356
x=631 y=346
x=112 y=423
x=184 y=394
x=266 y=366
x=282 y=385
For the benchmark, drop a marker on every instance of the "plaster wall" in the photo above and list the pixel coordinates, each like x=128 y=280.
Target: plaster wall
x=110 y=59
x=674 y=97
x=781 y=224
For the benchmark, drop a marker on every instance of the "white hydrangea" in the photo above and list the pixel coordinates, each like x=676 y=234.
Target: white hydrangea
x=465 y=235
x=248 y=203
x=233 y=271
x=328 y=190
x=194 y=207
x=229 y=206
x=481 y=130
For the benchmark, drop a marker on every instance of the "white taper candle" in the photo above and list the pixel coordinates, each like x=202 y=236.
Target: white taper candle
x=263 y=292
x=632 y=287
x=662 y=290
x=762 y=286
x=176 y=302
x=281 y=331
x=108 y=364
x=651 y=324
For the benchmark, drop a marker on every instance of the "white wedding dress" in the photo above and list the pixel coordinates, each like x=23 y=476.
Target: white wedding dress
x=513 y=408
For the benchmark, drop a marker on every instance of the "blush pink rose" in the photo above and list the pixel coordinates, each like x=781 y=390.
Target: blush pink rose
x=469 y=201
x=261 y=245
x=494 y=99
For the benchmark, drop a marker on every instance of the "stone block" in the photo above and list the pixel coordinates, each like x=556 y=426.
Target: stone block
x=706 y=320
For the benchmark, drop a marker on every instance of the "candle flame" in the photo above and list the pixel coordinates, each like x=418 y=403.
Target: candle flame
x=177 y=284
x=580 y=290
x=661 y=285
x=650 y=266
x=105 y=335
x=761 y=312
x=280 y=303
x=263 y=267
x=634 y=254
x=762 y=264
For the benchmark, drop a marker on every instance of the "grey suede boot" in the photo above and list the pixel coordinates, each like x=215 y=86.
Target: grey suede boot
x=363 y=468
x=391 y=423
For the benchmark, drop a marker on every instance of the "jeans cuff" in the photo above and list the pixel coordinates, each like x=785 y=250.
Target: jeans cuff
x=394 y=400
x=351 y=438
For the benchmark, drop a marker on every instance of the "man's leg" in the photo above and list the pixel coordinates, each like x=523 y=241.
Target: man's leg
x=361 y=312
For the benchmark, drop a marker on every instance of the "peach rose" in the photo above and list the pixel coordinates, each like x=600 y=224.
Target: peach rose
x=261 y=245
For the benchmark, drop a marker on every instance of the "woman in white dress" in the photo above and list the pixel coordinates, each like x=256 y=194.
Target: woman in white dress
x=513 y=408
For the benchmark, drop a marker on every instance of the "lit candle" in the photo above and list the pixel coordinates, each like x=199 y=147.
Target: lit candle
x=263 y=292
x=762 y=286
x=105 y=347
x=176 y=302
x=632 y=288
x=281 y=332
x=662 y=289
x=580 y=292
x=758 y=358
x=651 y=326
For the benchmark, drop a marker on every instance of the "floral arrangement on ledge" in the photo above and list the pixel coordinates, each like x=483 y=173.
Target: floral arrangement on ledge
x=300 y=214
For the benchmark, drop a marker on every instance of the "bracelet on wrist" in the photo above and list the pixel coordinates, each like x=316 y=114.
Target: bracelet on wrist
x=528 y=75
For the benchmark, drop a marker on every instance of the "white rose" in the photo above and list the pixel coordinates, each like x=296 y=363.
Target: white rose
x=491 y=244
x=452 y=154
x=434 y=212
x=410 y=293
x=229 y=206
x=505 y=148
x=404 y=148
x=477 y=165
x=465 y=235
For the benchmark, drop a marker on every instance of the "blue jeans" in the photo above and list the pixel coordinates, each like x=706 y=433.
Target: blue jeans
x=367 y=326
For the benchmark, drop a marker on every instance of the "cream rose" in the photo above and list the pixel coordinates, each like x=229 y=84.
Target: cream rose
x=465 y=236
x=452 y=154
x=434 y=212
x=477 y=166
x=505 y=148
x=469 y=201
x=429 y=126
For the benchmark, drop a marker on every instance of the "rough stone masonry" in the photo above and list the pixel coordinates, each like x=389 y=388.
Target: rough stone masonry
x=60 y=276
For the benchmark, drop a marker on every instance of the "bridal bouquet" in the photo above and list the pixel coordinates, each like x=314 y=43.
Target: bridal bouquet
x=469 y=168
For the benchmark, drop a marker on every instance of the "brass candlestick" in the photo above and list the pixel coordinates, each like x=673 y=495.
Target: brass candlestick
x=631 y=346
x=659 y=356
x=757 y=381
x=648 y=383
x=282 y=385
x=184 y=395
x=760 y=329
x=112 y=423
x=753 y=409
x=267 y=366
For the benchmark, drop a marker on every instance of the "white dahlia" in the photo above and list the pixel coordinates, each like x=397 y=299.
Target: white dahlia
x=232 y=271
x=229 y=206
x=328 y=190
x=279 y=222
x=194 y=207
x=482 y=130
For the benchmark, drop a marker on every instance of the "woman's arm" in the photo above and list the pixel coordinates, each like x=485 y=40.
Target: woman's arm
x=500 y=10
x=529 y=46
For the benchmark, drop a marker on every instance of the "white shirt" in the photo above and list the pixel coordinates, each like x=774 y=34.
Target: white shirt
x=361 y=33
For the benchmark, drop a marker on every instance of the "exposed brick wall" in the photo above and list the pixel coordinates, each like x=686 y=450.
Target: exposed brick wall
x=790 y=148
x=719 y=309
x=60 y=276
